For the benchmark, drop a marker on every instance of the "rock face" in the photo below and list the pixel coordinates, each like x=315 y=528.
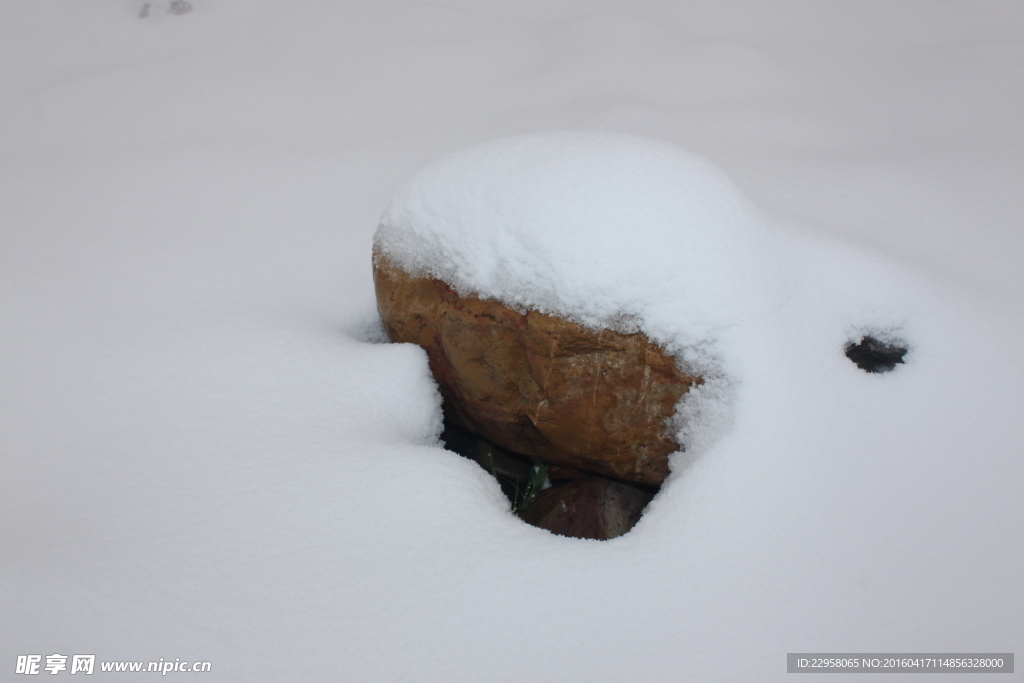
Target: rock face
x=592 y=507
x=537 y=384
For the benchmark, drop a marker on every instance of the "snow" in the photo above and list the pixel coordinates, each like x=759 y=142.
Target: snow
x=206 y=456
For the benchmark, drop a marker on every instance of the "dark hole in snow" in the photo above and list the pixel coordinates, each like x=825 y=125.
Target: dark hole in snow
x=873 y=355
x=564 y=500
x=520 y=477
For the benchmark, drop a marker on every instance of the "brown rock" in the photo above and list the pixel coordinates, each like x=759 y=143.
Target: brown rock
x=537 y=384
x=593 y=507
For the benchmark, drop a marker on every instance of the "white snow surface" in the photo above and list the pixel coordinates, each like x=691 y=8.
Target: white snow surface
x=208 y=455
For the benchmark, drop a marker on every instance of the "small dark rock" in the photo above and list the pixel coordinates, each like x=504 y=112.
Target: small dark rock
x=577 y=504
x=591 y=507
x=873 y=355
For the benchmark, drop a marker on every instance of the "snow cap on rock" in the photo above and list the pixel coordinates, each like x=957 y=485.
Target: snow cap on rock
x=608 y=229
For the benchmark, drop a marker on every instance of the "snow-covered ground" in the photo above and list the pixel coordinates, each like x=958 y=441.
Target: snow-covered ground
x=206 y=457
